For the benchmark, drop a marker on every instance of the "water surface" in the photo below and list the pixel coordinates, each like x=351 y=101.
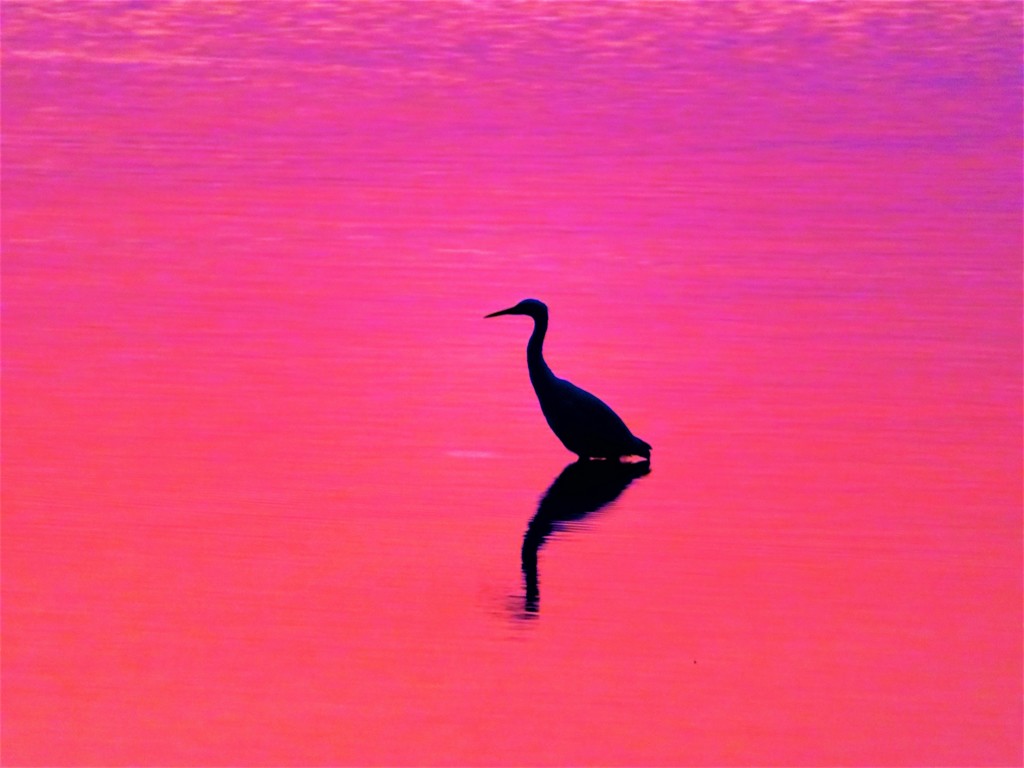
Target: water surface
x=270 y=480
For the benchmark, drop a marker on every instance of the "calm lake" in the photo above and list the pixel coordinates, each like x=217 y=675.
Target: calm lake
x=270 y=480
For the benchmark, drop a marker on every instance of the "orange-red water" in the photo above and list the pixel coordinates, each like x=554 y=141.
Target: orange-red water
x=267 y=471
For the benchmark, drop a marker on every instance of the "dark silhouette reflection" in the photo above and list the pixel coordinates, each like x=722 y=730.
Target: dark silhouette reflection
x=582 y=488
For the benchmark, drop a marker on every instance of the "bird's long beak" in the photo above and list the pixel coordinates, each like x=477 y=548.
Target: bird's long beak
x=509 y=311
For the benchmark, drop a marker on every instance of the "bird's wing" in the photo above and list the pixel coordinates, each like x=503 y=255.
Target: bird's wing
x=582 y=421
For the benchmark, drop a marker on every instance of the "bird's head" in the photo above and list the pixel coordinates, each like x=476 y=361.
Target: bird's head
x=532 y=307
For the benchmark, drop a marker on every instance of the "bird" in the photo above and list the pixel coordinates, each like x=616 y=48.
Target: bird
x=584 y=424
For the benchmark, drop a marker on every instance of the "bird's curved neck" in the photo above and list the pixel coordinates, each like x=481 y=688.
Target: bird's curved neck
x=539 y=372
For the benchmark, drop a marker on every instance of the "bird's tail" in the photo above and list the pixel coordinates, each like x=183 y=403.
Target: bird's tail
x=641 y=447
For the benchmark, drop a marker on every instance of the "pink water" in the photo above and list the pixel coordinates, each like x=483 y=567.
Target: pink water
x=267 y=471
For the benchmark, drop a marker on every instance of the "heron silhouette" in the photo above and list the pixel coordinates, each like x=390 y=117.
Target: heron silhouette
x=584 y=424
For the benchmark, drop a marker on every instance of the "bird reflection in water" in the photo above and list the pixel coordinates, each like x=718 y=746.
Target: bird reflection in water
x=581 y=489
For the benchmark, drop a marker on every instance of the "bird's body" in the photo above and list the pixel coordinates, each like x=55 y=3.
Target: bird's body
x=584 y=424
